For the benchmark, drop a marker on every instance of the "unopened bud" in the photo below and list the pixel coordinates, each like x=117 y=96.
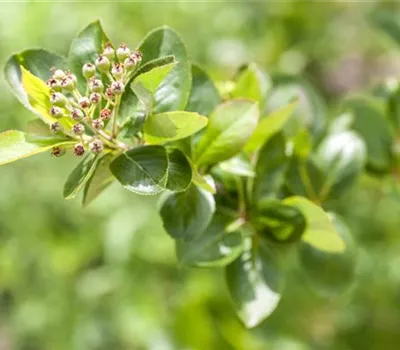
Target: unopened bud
x=117 y=71
x=88 y=70
x=129 y=64
x=123 y=52
x=72 y=77
x=98 y=124
x=79 y=150
x=77 y=114
x=56 y=112
x=54 y=84
x=96 y=146
x=109 y=52
x=105 y=114
x=117 y=88
x=55 y=127
x=58 y=74
x=109 y=94
x=67 y=84
x=58 y=151
x=95 y=98
x=78 y=129
x=96 y=85
x=84 y=102
x=58 y=99
x=103 y=63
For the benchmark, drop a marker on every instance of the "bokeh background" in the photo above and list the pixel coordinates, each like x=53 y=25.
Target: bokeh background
x=105 y=277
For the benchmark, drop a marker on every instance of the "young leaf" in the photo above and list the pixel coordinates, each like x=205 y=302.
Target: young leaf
x=99 y=181
x=255 y=281
x=371 y=124
x=205 y=182
x=341 y=157
x=38 y=62
x=38 y=98
x=230 y=126
x=173 y=92
x=310 y=111
x=330 y=273
x=156 y=63
x=171 y=126
x=14 y=146
x=142 y=170
x=252 y=84
x=270 y=125
x=204 y=96
x=152 y=79
x=270 y=168
x=179 y=171
x=279 y=222
x=239 y=166
x=214 y=247
x=79 y=176
x=84 y=49
x=187 y=214
x=320 y=233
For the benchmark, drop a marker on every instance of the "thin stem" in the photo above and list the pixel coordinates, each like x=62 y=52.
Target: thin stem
x=242 y=196
x=307 y=183
x=115 y=116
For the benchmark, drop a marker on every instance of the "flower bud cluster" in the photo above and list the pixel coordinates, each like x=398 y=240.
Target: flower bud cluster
x=106 y=79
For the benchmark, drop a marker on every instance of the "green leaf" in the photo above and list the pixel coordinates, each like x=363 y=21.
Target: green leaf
x=171 y=126
x=239 y=166
x=187 y=214
x=205 y=182
x=252 y=84
x=214 y=247
x=38 y=98
x=341 y=157
x=330 y=273
x=320 y=233
x=230 y=126
x=374 y=128
x=204 y=96
x=38 y=62
x=270 y=125
x=310 y=111
x=84 y=49
x=255 y=281
x=179 y=171
x=152 y=79
x=270 y=168
x=387 y=21
x=79 y=176
x=156 y=63
x=14 y=145
x=142 y=170
x=173 y=92
x=38 y=127
x=278 y=221
x=99 y=181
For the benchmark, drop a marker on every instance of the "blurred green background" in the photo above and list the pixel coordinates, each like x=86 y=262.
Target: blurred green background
x=106 y=277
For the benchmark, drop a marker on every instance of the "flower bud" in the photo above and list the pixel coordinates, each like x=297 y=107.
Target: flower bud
x=117 y=71
x=67 y=84
x=129 y=64
x=54 y=84
x=109 y=52
x=123 y=52
x=109 y=94
x=103 y=63
x=105 y=114
x=88 y=70
x=96 y=146
x=72 y=77
x=58 y=99
x=56 y=112
x=95 y=98
x=137 y=55
x=58 y=151
x=58 y=74
x=77 y=114
x=78 y=129
x=55 y=127
x=117 y=88
x=96 y=85
x=84 y=102
x=79 y=150
x=98 y=124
